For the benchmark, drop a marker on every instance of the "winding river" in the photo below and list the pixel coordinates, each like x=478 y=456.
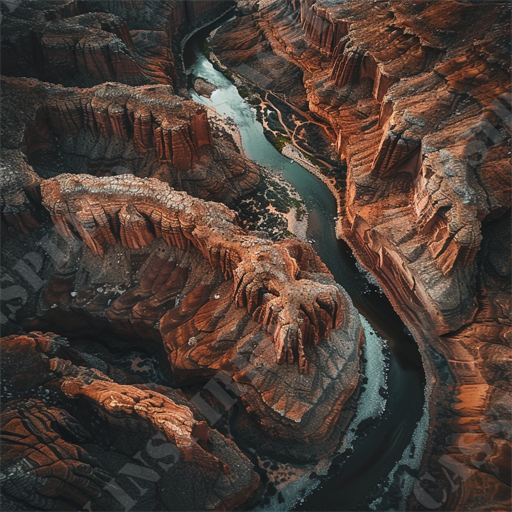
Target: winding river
x=370 y=474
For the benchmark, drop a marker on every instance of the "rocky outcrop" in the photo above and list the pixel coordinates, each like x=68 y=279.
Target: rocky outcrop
x=156 y=288
x=295 y=312
x=255 y=306
x=109 y=129
x=50 y=460
x=89 y=49
x=419 y=98
x=155 y=118
x=321 y=29
x=86 y=43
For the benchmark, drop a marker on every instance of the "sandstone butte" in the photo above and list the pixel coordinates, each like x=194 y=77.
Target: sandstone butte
x=418 y=97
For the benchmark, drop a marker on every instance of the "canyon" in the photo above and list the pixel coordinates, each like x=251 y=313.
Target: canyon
x=258 y=326
x=118 y=193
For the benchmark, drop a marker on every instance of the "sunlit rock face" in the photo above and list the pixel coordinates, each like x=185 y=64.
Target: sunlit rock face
x=140 y=261
x=162 y=265
x=418 y=95
x=55 y=459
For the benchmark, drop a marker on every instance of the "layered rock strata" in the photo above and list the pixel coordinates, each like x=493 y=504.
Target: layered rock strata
x=53 y=460
x=109 y=129
x=84 y=43
x=160 y=265
x=264 y=343
x=419 y=98
x=295 y=311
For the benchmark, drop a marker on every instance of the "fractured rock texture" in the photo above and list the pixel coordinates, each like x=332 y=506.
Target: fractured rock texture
x=275 y=298
x=86 y=42
x=113 y=129
x=51 y=460
x=296 y=312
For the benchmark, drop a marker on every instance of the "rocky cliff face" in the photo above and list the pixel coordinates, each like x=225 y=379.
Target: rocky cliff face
x=113 y=129
x=85 y=43
x=419 y=98
x=55 y=460
x=261 y=326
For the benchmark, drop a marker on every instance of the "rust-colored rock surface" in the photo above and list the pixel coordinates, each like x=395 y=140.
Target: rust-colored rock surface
x=47 y=460
x=89 y=49
x=112 y=129
x=294 y=311
x=220 y=299
x=418 y=95
x=85 y=43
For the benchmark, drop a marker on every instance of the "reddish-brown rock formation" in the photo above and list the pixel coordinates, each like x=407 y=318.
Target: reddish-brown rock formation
x=145 y=130
x=155 y=118
x=160 y=265
x=46 y=452
x=295 y=311
x=256 y=304
x=63 y=41
x=419 y=98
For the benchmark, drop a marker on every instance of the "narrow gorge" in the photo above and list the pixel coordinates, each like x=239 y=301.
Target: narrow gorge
x=255 y=255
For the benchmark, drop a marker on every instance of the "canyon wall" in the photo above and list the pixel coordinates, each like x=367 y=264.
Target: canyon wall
x=118 y=431
x=157 y=289
x=113 y=129
x=277 y=300
x=85 y=43
x=419 y=98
